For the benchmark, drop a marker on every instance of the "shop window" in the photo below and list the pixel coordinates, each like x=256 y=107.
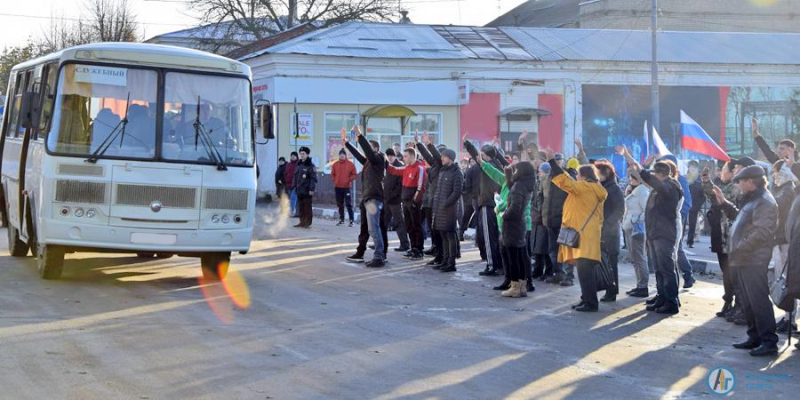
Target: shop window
x=334 y=122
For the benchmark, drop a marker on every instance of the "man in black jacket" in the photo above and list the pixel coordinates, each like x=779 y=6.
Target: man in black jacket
x=431 y=155
x=305 y=182
x=662 y=224
x=372 y=218
x=613 y=211
x=752 y=236
x=280 y=183
x=392 y=188
x=470 y=195
x=445 y=221
x=487 y=232
x=552 y=213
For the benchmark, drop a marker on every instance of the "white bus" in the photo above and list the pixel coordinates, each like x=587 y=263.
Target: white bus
x=131 y=148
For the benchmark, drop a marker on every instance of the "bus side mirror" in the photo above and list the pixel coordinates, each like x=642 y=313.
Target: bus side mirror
x=28 y=113
x=265 y=115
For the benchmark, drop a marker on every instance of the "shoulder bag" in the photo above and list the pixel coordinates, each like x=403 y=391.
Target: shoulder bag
x=570 y=237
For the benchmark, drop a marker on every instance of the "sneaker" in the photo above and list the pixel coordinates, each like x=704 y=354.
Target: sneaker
x=434 y=263
x=488 y=272
x=351 y=224
x=340 y=223
x=554 y=279
x=688 y=282
x=376 y=263
x=568 y=282
x=356 y=258
x=402 y=249
x=643 y=292
x=408 y=254
x=416 y=256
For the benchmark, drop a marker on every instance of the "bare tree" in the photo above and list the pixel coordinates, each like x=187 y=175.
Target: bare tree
x=106 y=21
x=262 y=18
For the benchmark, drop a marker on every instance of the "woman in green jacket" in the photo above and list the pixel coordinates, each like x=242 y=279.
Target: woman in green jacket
x=499 y=177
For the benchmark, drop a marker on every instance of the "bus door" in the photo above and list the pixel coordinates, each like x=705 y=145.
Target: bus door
x=12 y=149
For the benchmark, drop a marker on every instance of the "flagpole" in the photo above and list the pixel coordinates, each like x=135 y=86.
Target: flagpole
x=654 y=99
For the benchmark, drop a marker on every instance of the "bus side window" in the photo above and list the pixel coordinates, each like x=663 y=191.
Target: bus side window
x=14 y=102
x=47 y=95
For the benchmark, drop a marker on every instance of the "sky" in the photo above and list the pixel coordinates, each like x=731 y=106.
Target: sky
x=21 y=19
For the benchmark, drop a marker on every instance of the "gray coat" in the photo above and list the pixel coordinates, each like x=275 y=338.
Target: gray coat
x=753 y=229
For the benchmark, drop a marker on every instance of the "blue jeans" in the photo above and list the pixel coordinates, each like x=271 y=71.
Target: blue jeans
x=374 y=208
x=293 y=201
x=664 y=255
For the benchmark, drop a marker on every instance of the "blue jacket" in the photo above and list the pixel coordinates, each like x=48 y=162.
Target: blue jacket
x=687 y=200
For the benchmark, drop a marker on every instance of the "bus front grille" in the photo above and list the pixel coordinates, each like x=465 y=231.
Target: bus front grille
x=226 y=199
x=70 y=191
x=144 y=195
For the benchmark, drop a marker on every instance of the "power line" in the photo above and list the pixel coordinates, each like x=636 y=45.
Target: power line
x=52 y=18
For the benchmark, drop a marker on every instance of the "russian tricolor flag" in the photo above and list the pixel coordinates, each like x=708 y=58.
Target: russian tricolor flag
x=697 y=140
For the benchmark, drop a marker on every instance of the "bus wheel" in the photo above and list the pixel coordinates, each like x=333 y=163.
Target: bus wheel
x=50 y=261
x=145 y=255
x=16 y=247
x=215 y=265
x=164 y=255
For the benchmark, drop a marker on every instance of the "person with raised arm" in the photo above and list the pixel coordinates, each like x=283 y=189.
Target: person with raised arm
x=372 y=219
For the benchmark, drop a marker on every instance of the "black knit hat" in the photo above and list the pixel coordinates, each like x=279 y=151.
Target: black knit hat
x=342 y=152
x=305 y=149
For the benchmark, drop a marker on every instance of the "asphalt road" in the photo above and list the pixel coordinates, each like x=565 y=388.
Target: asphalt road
x=316 y=327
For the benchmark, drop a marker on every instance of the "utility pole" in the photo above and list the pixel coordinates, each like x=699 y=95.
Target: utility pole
x=655 y=116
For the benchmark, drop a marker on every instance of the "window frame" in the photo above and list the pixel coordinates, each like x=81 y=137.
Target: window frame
x=326 y=133
x=439 y=134
x=161 y=71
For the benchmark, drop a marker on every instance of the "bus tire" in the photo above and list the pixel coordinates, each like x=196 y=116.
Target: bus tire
x=215 y=265
x=16 y=247
x=145 y=255
x=50 y=261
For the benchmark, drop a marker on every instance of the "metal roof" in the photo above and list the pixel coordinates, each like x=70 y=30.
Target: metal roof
x=402 y=41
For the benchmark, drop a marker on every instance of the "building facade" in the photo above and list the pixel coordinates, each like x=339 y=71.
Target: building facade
x=493 y=83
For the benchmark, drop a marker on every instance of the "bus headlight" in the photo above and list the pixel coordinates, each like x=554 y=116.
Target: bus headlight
x=215 y=218
x=226 y=218
x=64 y=211
x=237 y=219
x=90 y=213
x=78 y=212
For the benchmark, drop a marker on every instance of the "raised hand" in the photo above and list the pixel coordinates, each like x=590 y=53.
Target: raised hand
x=416 y=136
x=579 y=145
x=358 y=130
x=464 y=137
x=523 y=136
x=650 y=158
x=549 y=154
x=718 y=195
x=754 y=122
x=425 y=138
x=344 y=136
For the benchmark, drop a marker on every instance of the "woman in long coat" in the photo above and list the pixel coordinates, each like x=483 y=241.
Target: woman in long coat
x=584 y=203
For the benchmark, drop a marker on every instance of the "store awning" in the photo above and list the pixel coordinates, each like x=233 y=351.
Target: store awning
x=394 y=111
x=522 y=113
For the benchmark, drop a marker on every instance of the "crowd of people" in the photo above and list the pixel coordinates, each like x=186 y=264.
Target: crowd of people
x=540 y=217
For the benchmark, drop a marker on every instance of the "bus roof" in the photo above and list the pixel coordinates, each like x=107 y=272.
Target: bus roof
x=144 y=54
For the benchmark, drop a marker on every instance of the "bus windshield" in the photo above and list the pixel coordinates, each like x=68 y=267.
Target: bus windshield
x=93 y=104
x=206 y=117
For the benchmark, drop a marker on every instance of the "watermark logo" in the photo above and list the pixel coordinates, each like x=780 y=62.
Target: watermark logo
x=721 y=381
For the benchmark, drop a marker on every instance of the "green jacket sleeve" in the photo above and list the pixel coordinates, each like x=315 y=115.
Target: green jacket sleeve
x=493 y=173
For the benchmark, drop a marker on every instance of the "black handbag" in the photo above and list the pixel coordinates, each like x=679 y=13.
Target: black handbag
x=603 y=275
x=570 y=237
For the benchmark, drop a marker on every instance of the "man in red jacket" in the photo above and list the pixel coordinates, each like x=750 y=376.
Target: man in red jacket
x=414 y=178
x=343 y=173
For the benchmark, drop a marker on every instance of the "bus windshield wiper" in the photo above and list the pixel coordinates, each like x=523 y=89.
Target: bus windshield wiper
x=204 y=138
x=111 y=136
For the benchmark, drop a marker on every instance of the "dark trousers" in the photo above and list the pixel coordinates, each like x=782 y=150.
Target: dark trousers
x=412 y=214
x=449 y=247
x=467 y=218
x=665 y=253
x=488 y=238
x=588 y=281
x=543 y=265
x=280 y=191
x=344 y=198
x=394 y=212
x=728 y=278
x=517 y=259
x=757 y=306
x=304 y=206
x=552 y=246
x=363 y=236
x=436 y=238
x=610 y=255
x=692 y=226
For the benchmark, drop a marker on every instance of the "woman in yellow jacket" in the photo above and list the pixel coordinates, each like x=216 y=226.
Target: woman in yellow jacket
x=584 y=203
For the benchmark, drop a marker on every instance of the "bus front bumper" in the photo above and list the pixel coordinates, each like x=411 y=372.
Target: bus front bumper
x=141 y=239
